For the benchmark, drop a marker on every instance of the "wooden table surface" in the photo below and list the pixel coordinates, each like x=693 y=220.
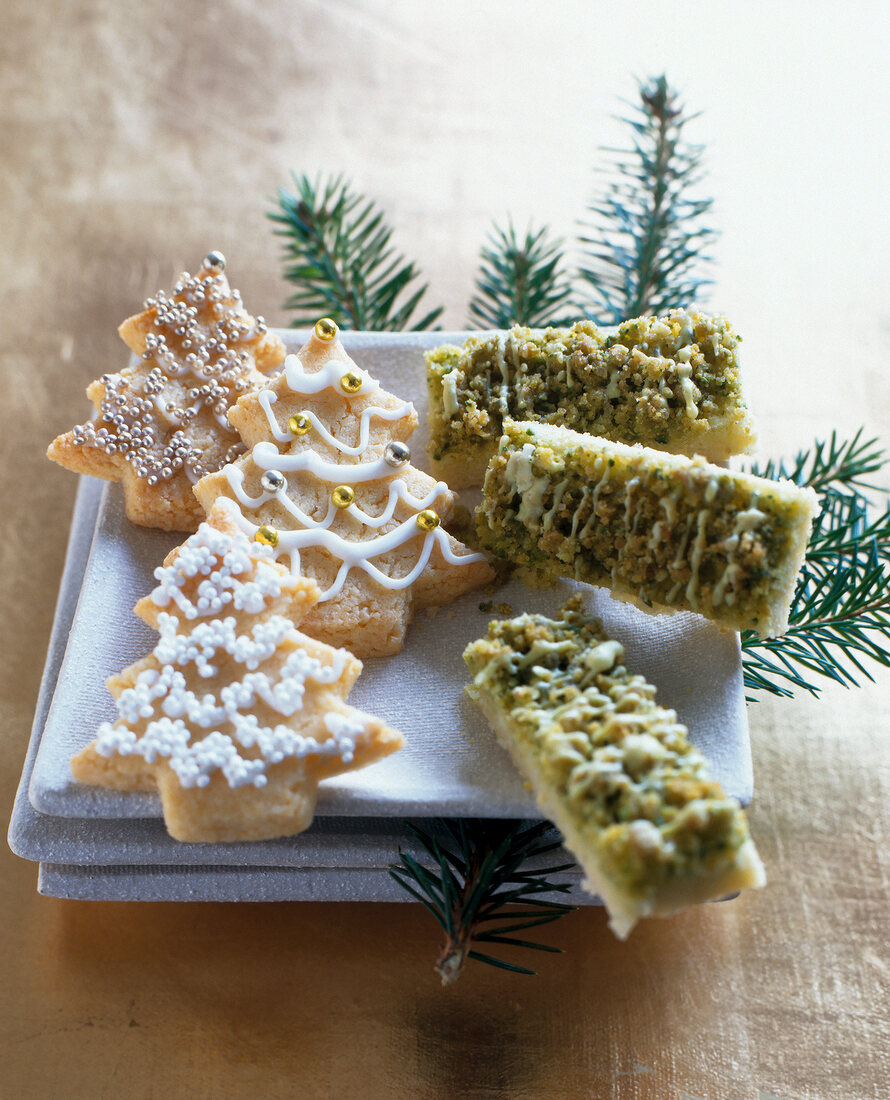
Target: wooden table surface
x=138 y=136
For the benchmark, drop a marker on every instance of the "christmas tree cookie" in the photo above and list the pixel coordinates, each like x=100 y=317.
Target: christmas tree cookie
x=162 y=424
x=235 y=716
x=666 y=532
x=669 y=382
x=327 y=481
x=652 y=831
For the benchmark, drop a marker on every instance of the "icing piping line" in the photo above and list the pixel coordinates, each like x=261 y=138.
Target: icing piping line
x=267 y=398
x=291 y=542
x=398 y=491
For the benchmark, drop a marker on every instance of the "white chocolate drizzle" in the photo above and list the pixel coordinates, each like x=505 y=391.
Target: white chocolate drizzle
x=691 y=393
x=504 y=370
x=749 y=520
x=698 y=549
x=450 y=403
x=520 y=473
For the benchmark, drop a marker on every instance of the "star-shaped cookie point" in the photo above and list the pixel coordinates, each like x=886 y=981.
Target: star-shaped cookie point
x=161 y=424
x=327 y=481
x=235 y=717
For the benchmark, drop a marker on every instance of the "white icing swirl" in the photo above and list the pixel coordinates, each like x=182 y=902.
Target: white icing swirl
x=328 y=377
x=267 y=399
x=313 y=533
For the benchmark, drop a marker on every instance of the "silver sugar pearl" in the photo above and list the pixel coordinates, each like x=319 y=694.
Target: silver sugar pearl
x=214 y=261
x=396 y=454
x=273 y=481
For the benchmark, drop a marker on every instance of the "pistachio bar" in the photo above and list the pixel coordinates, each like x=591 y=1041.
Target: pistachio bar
x=663 y=531
x=612 y=769
x=668 y=382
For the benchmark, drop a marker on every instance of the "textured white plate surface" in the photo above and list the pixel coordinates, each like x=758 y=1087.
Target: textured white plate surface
x=131 y=859
x=451 y=764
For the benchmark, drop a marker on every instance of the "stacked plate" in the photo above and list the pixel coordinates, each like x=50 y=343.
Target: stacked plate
x=101 y=844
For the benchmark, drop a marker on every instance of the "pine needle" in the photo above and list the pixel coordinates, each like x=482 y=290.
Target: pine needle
x=480 y=876
x=839 y=622
x=645 y=238
x=339 y=255
x=520 y=282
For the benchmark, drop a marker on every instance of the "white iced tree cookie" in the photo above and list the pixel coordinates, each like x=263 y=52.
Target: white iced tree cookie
x=328 y=482
x=235 y=716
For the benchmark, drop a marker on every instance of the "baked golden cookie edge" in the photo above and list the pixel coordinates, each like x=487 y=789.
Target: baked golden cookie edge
x=235 y=716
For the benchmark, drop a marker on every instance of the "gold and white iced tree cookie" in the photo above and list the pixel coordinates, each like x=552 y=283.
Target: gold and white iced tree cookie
x=162 y=424
x=235 y=716
x=616 y=772
x=328 y=482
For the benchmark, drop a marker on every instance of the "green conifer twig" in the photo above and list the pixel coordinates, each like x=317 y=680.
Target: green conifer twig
x=645 y=237
x=520 y=282
x=840 y=614
x=481 y=889
x=339 y=256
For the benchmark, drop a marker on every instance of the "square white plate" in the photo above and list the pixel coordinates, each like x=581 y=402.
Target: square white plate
x=451 y=765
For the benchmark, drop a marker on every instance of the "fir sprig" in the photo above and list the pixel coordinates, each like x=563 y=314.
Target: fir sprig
x=481 y=889
x=520 y=282
x=840 y=614
x=834 y=463
x=339 y=255
x=645 y=238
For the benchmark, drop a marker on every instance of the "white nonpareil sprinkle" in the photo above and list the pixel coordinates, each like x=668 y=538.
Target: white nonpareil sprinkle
x=220 y=635
x=224 y=560
x=237 y=574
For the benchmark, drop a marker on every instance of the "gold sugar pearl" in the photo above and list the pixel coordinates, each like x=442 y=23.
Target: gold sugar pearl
x=299 y=423
x=428 y=520
x=351 y=382
x=326 y=329
x=267 y=535
x=343 y=496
